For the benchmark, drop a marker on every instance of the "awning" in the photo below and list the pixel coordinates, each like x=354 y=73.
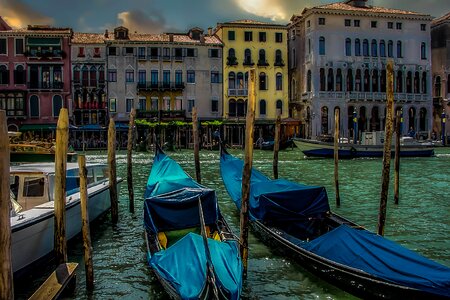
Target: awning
x=121 y=126
x=31 y=127
x=90 y=127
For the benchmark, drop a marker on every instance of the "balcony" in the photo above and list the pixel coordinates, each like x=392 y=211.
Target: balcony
x=89 y=83
x=45 y=85
x=161 y=115
x=160 y=86
x=232 y=61
x=237 y=92
x=141 y=57
x=279 y=63
x=248 y=62
x=262 y=63
x=45 y=54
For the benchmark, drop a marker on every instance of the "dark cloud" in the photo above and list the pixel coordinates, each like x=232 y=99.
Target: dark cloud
x=19 y=14
x=137 y=20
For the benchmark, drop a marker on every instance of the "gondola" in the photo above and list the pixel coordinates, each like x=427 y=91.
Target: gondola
x=190 y=247
x=268 y=145
x=296 y=220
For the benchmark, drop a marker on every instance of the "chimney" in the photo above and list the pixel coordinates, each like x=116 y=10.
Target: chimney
x=170 y=37
x=202 y=38
x=209 y=31
x=106 y=34
x=357 y=3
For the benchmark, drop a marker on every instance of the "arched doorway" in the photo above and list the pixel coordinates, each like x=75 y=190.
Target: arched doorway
x=324 y=120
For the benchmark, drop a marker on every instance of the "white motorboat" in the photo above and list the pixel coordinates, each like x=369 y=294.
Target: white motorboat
x=32 y=214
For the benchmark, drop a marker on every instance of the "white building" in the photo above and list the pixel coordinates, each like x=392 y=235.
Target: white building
x=338 y=56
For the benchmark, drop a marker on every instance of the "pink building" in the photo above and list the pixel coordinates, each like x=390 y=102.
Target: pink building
x=35 y=75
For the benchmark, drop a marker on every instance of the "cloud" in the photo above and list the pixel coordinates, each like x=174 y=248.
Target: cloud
x=18 y=14
x=136 y=20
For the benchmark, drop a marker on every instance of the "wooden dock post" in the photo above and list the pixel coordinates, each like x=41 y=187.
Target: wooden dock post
x=276 y=146
x=6 y=274
x=112 y=171
x=397 y=158
x=89 y=269
x=336 y=155
x=387 y=146
x=196 y=144
x=62 y=144
x=247 y=171
x=130 y=160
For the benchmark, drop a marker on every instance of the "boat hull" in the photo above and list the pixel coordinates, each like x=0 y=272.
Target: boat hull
x=326 y=150
x=38 y=157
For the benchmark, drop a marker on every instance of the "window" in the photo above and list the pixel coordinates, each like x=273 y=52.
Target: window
x=278 y=37
x=81 y=52
x=214 y=53
x=347 y=22
x=191 y=104
x=262 y=58
x=390 y=25
x=166 y=78
x=262 y=107
x=190 y=52
x=178 y=78
x=19 y=75
x=321 y=45
x=34 y=106
x=348 y=47
x=76 y=74
x=357 y=47
x=330 y=80
x=57 y=105
x=129 y=76
x=231 y=35
x=398 y=26
x=423 y=51
x=390 y=49
x=382 y=48
x=278 y=58
x=3 y=46
x=96 y=52
x=262 y=36
x=4 y=75
x=93 y=76
x=112 y=75
x=423 y=27
x=248 y=36
x=322 y=79
x=214 y=105
x=129 y=51
x=142 y=104
x=190 y=75
x=248 y=57
x=141 y=52
x=129 y=105
x=178 y=54
x=19 y=46
x=321 y=21
x=279 y=82
x=365 y=47
x=356 y=23
x=154 y=77
x=338 y=80
x=279 y=107
x=399 y=49
x=33 y=187
x=308 y=23
x=166 y=53
x=262 y=81
x=373 y=24
x=141 y=76
x=112 y=51
x=374 y=48
x=112 y=104
x=154 y=52
x=215 y=77
x=294 y=59
x=308 y=81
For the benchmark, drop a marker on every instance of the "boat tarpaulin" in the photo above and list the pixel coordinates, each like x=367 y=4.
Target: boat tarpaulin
x=376 y=255
x=189 y=278
x=290 y=206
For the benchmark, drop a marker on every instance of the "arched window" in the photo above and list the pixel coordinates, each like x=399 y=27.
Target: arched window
x=349 y=80
x=423 y=51
x=424 y=82
x=322 y=79
x=409 y=82
x=365 y=47
x=358 y=81
x=348 y=47
x=382 y=48
x=85 y=76
x=19 y=75
x=231 y=59
x=416 y=83
x=366 y=81
x=399 y=82
x=330 y=80
x=279 y=107
x=375 y=120
x=362 y=121
x=324 y=120
x=279 y=82
x=391 y=49
x=4 y=75
x=412 y=118
x=423 y=119
x=262 y=107
x=101 y=74
x=262 y=57
x=338 y=80
x=240 y=81
x=57 y=105
x=231 y=52
x=262 y=81
x=321 y=45
x=399 y=49
x=247 y=57
x=232 y=108
x=383 y=81
x=93 y=76
x=241 y=108
x=34 y=106
x=232 y=80
x=76 y=74
x=357 y=47
x=375 y=81
x=278 y=58
x=437 y=86
x=374 y=48
x=308 y=81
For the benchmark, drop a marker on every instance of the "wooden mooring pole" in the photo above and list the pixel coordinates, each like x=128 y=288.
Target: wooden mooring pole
x=6 y=274
x=196 y=144
x=112 y=171
x=247 y=171
x=89 y=269
x=397 y=158
x=276 y=146
x=62 y=144
x=336 y=156
x=130 y=161
x=387 y=146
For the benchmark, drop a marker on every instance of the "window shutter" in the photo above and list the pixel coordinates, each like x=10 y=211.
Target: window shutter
x=184 y=52
x=124 y=51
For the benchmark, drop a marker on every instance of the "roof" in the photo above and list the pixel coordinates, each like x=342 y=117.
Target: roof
x=88 y=38
x=249 y=23
x=440 y=20
x=41 y=30
x=164 y=37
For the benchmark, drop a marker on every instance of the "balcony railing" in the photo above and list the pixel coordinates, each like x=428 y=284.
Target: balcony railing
x=248 y=62
x=161 y=115
x=232 y=61
x=88 y=83
x=237 y=92
x=152 y=86
x=46 y=85
x=279 y=63
x=263 y=63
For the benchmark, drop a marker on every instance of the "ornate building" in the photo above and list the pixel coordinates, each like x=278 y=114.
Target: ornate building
x=338 y=56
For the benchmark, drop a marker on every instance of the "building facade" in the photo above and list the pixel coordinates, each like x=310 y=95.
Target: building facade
x=440 y=52
x=338 y=57
x=34 y=75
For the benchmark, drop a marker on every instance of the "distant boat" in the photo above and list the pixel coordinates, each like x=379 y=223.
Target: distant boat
x=268 y=145
x=296 y=220
x=188 y=264
x=32 y=213
x=409 y=148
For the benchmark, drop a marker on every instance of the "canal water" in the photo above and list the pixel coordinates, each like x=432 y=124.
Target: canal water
x=420 y=222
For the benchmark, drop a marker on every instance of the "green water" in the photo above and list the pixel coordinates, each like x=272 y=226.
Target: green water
x=420 y=222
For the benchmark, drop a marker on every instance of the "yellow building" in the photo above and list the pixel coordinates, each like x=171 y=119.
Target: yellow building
x=263 y=46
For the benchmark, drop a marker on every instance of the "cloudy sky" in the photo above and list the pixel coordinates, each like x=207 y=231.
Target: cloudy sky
x=155 y=16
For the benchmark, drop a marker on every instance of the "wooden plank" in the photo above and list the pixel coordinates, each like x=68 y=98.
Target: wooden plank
x=397 y=158
x=336 y=155
x=130 y=161
x=196 y=145
x=56 y=282
x=276 y=146
x=112 y=171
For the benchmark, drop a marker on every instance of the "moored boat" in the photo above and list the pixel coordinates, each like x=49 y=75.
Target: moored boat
x=188 y=264
x=32 y=214
x=296 y=220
